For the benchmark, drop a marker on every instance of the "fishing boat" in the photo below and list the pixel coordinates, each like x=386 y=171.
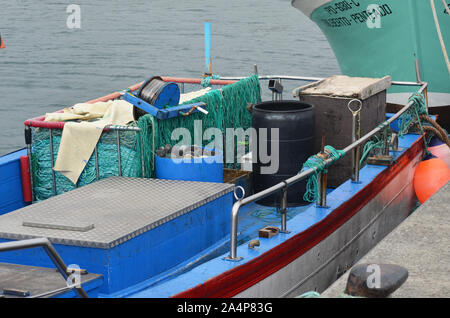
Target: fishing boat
x=147 y=237
x=127 y=222
x=407 y=39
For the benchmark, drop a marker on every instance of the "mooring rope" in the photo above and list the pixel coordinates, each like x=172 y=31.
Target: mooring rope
x=206 y=81
x=413 y=113
x=435 y=129
x=374 y=143
x=318 y=162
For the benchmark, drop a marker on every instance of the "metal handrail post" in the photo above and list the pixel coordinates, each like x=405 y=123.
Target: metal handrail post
x=51 y=252
x=322 y=179
x=28 y=142
x=97 y=167
x=356 y=134
x=52 y=161
x=386 y=141
x=284 y=210
x=62 y=268
x=257 y=196
x=322 y=197
x=234 y=228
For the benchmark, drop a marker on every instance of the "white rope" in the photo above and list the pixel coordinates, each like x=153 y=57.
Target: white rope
x=438 y=29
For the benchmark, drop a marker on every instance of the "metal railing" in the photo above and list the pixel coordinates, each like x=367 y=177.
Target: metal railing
x=51 y=126
x=52 y=254
x=282 y=186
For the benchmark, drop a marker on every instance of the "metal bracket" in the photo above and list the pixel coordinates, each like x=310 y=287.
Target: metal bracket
x=356 y=135
x=253 y=244
x=268 y=232
x=393 y=142
x=237 y=259
x=381 y=160
x=160 y=113
x=80 y=271
x=276 y=88
x=16 y=292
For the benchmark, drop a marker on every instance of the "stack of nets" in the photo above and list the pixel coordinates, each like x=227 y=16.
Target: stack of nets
x=227 y=108
x=107 y=161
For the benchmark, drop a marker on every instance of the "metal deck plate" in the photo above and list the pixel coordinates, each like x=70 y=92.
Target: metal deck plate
x=110 y=211
x=35 y=280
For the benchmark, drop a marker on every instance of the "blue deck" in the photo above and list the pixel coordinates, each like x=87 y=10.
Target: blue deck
x=135 y=232
x=299 y=219
x=195 y=266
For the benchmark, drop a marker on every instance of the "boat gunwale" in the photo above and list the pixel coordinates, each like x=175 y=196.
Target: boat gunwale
x=40 y=123
x=236 y=280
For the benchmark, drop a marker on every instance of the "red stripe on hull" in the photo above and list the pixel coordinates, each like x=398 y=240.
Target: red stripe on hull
x=240 y=278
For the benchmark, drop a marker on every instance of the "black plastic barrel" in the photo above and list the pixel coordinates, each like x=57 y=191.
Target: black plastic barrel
x=295 y=123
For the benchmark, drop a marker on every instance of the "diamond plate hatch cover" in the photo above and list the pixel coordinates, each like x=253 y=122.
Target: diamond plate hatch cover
x=109 y=212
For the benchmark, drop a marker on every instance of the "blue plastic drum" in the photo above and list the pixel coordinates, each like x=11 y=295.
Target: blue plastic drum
x=208 y=169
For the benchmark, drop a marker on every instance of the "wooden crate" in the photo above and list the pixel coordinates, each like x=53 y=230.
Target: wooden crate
x=334 y=120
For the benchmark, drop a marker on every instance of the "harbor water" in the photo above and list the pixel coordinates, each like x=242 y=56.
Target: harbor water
x=47 y=65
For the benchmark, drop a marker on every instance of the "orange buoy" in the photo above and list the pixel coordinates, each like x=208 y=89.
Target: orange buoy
x=2 y=44
x=430 y=175
x=440 y=150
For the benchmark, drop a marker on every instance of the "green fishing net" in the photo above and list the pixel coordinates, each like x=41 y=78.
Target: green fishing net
x=108 y=162
x=227 y=108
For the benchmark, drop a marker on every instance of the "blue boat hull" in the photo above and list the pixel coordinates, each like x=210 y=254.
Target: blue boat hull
x=11 y=194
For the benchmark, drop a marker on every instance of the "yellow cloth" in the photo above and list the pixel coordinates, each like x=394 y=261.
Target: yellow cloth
x=79 y=139
x=81 y=111
x=188 y=96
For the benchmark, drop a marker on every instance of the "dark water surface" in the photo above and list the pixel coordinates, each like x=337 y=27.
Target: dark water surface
x=46 y=66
